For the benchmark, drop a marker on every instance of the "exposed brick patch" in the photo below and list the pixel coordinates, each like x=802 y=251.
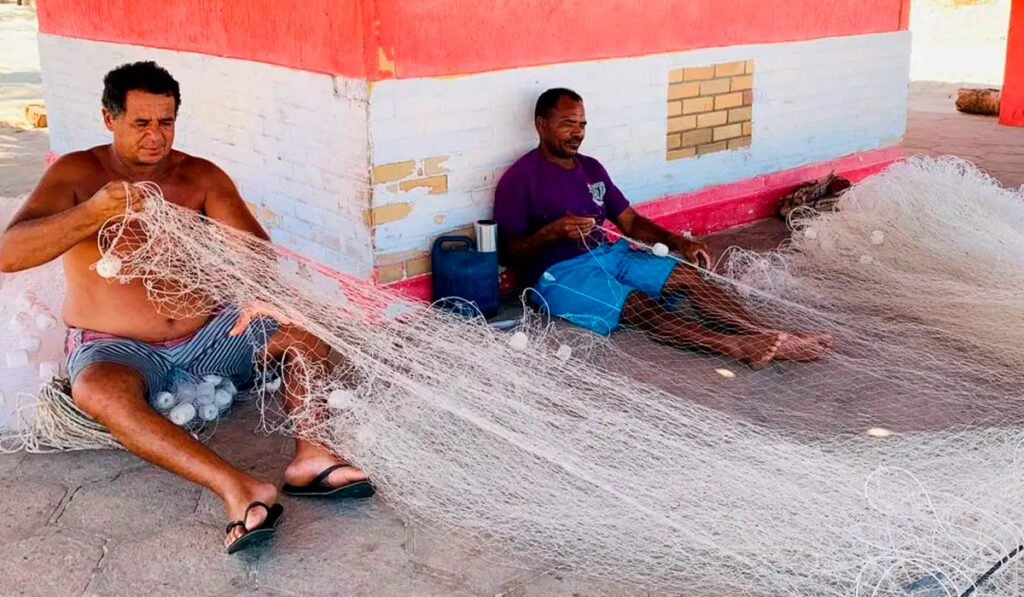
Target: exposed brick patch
x=709 y=109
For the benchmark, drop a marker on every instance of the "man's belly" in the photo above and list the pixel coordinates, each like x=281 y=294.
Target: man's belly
x=124 y=310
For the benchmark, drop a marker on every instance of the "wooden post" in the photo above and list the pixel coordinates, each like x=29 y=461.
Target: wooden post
x=1011 y=104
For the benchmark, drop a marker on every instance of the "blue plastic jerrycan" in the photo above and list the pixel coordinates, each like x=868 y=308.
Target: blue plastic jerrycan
x=464 y=276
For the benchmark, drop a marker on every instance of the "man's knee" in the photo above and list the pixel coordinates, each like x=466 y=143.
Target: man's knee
x=683 y=276
x=639 y=308
x=290 y=338
x=100 y=384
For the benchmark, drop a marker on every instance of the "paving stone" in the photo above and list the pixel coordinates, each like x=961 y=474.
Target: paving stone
x=186 y=558
x=76 y=468
x=361 y=553
x=53 y=562
x=142 y=499
x=10 y=462
x=26 y=506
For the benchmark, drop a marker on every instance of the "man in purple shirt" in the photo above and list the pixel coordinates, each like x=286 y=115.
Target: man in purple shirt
x=550 y=206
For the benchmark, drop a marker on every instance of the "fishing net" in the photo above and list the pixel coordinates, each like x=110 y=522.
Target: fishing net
x=888 y=466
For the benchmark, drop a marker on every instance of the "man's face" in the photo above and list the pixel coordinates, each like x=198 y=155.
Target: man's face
x=563 y=130
x=144 y=133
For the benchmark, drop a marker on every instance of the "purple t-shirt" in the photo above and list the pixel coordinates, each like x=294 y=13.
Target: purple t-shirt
x=534 y=192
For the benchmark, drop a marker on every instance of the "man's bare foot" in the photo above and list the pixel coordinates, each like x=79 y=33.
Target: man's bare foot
x=237 y=503
x=803 y=347
x=820 y=338
x=757 y=350
x=311 y=460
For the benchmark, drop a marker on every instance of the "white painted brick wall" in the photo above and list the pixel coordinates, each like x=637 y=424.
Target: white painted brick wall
x=814 y=101
x=295 y=142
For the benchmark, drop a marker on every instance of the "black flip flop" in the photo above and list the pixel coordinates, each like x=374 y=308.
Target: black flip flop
x=260 y=533
x=316 y=487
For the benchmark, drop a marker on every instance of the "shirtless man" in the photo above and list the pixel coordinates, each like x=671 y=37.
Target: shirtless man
x=549 y=206
x=120 y=348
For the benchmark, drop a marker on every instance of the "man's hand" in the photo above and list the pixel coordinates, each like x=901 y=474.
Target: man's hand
x=260 y=309
x=693 y=251
x=111 y=199
x=570 y=227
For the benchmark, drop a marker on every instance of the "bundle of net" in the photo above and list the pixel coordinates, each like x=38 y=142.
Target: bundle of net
x=31 y=334
x=551 y=447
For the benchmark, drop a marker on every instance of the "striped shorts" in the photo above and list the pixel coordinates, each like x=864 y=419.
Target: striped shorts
x=207 y=351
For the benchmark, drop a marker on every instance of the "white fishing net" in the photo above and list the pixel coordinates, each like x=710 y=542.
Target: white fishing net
x=890 y=466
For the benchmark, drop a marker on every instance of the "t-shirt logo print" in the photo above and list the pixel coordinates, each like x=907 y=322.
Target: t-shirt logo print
x=597 y=191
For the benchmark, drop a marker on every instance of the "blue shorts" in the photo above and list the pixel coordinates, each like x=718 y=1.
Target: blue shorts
x=591 y=289
x=208 y=351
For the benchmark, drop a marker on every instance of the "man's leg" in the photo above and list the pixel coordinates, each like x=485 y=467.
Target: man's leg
x=712 y=299
x=719 y=304
x=310 y=458
x=115 y=396
x=643 y=312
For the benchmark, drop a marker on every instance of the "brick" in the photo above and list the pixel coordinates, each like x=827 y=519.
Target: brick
x=739 y=114
x=417 y=267
x=393 y=258
x=728 y=101
x=739 y=142
x=712 y=147
x=748 y=98
x=728 y=132
x=683 y=90
x=393 y=172
x=35 y=114
x=679 y=154
x=269 y=217
x=698 y=73
x=749 y=67
x=698 y=104
x=386 y=213
x=390 y=273
x=744 y=82
x=682 y=123
x=332 y=242
x=464 y=231
x=675 y=109
x=729 y=69
x=435 y=166
x=697 y=137
x=673 y=142
x=712 y=119
x=436 y=185
x=746 y=128
x=675 y=75
x=714 y=86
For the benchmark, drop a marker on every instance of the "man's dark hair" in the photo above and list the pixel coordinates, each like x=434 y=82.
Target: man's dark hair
x=139 y=76
x=549 y=99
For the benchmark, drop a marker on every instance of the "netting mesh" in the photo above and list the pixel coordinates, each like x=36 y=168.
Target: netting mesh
x=888 y=466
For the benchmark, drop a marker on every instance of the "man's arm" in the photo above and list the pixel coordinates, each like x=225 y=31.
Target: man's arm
x=636 y=226
x=224 y=204
x=522 y=248
x=49 y=223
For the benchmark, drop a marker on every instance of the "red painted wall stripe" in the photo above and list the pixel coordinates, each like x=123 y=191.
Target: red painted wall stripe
x=315 y=35
x=724 y=206
x=442 y=37
x=380 y=39
x=1011 y=102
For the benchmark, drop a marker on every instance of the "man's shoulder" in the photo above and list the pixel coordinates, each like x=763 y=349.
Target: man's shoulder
x=521 y=168
x=85 y=158
x=590 y=163
x=82 y=165
x=199 y=170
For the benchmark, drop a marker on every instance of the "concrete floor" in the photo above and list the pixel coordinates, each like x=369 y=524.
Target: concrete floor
x=105 y=523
